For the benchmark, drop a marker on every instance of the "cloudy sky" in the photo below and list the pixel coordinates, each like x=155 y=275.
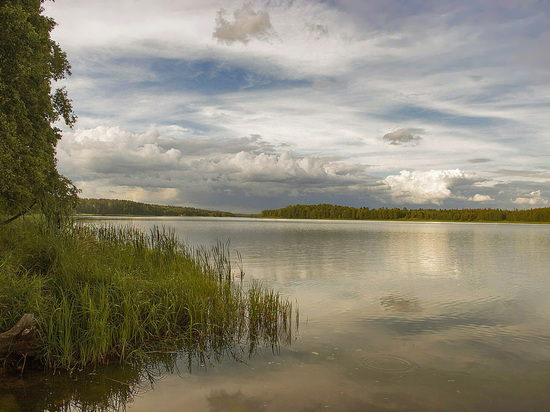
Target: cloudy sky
x=245 y=106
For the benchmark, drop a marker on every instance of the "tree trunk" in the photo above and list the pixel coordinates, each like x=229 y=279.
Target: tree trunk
x=22 y=340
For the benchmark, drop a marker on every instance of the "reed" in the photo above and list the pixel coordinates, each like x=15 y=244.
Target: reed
x=107 y=292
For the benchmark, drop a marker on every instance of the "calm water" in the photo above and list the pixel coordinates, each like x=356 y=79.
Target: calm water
x=393 y=316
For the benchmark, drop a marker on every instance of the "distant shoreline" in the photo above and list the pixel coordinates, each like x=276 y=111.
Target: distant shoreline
x=403 y=220
x=333 y=212
x=256 y=216
x=324 y=219
x=127 y=208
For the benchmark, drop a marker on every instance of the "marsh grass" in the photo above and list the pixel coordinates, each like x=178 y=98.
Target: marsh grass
x=110 y=292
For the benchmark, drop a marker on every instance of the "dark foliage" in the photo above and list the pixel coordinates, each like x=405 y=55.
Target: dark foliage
x=29 y=63
x=364 y=213
x=105 y=207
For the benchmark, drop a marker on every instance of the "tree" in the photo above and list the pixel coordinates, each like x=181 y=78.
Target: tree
x=29 y=62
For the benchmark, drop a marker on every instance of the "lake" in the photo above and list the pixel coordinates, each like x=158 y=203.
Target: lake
x=393 y=316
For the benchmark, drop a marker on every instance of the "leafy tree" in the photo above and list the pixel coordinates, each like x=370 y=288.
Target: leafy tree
x=29 y=62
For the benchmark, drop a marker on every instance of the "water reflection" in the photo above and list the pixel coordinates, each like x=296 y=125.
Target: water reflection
x=465 y=307
x=115 y=386
x=103 y=389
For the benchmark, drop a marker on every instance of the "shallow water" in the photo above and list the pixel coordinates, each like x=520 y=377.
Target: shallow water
x=393 y=316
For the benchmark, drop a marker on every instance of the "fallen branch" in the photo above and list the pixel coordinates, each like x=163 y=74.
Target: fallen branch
x=22 y=340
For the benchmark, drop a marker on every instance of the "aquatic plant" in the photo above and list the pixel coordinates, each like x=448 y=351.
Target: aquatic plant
x=110 y=292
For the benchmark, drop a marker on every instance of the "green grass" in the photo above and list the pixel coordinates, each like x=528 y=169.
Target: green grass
x=106 y=292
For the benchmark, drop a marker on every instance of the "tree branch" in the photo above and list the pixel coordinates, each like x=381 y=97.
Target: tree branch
x=17 y=216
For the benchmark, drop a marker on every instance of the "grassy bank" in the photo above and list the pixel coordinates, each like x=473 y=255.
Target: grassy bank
x=116 y=293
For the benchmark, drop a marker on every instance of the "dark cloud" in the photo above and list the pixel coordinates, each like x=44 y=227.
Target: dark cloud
x=317 y=30
x=479 y=160
x=407 y=137
x=248 y=25
x=475 y=78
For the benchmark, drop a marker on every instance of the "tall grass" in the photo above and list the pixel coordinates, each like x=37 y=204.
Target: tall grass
x=106 y=292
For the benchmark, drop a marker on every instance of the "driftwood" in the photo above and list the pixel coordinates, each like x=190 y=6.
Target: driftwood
x=22 y=340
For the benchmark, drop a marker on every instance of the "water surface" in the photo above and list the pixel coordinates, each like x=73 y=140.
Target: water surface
x=393 y=316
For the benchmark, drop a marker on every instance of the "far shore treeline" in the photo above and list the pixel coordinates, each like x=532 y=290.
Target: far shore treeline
x=105 y=207
x=114 y=207
x=326 y=211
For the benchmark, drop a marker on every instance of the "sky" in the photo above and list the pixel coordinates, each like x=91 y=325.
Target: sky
x=245 y=106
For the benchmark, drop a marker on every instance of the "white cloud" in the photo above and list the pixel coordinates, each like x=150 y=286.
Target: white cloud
x=152 y=166
x=432 y=186
x=480 y=198
x=248 y=25
x=532 y=199
x=285 y=168
x=112 y=150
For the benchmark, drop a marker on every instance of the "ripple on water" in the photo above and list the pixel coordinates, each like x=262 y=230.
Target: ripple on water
x=388 y=363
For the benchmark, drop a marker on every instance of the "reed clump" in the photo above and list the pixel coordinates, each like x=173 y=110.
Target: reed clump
x=107 y=292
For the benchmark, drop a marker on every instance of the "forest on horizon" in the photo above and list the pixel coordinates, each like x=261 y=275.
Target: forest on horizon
x=127 y=207
x=327 y=211
x=322 y=211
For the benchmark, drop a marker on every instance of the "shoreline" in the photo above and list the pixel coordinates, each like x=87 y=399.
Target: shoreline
x=310 y=219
